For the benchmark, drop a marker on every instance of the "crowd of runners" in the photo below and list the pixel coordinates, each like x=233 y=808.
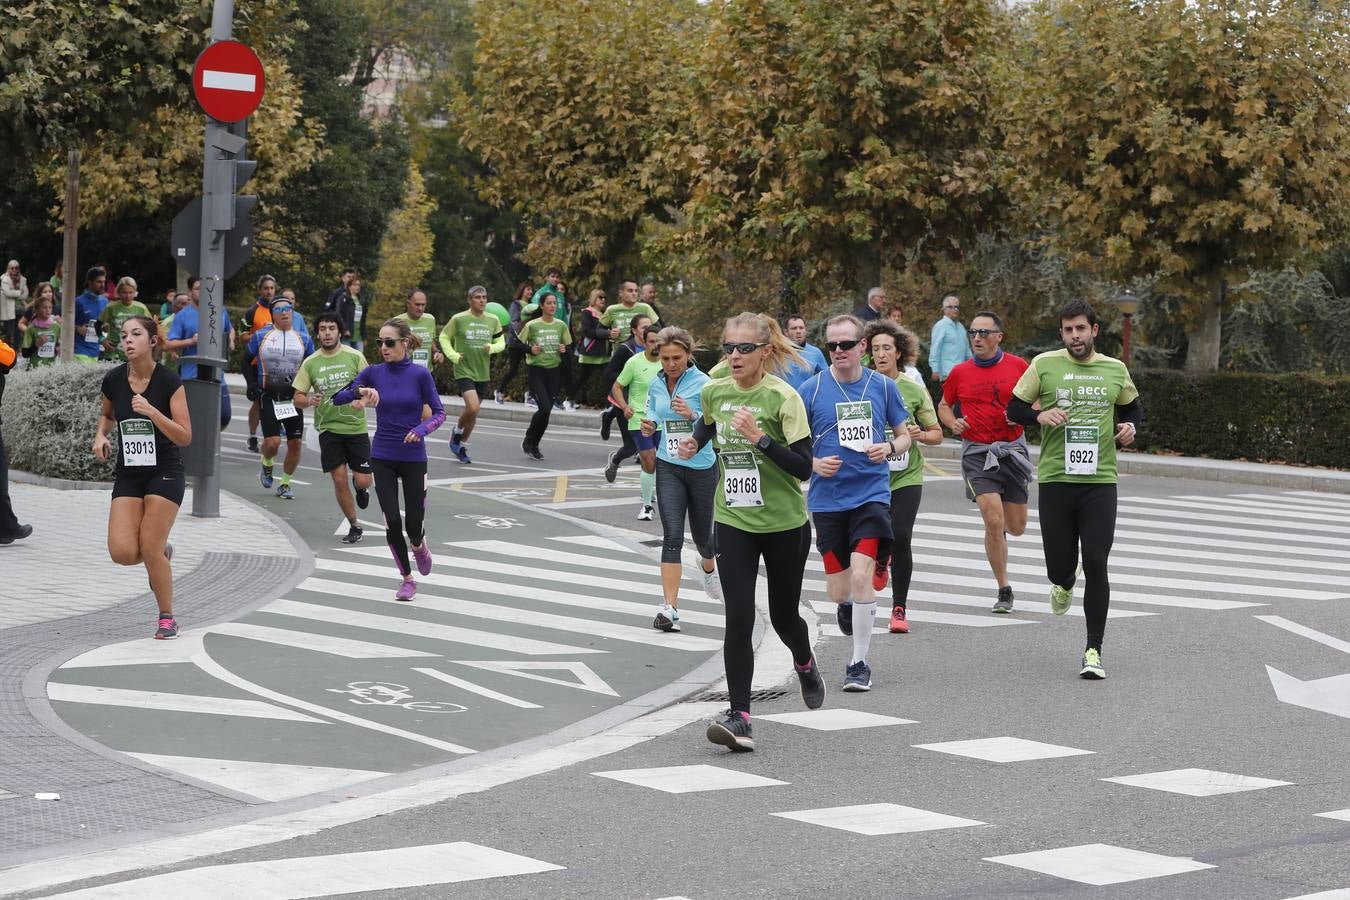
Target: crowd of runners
x=778 y=444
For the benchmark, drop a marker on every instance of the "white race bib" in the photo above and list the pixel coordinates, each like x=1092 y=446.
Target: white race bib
x=854 y=426
x=898 y=463
x=1080 y=449
x=422 y=358
x=284 y=409
x=740 y=479
x=138 y=442
x=47 y=350
x=672 y=430
x=91 y=331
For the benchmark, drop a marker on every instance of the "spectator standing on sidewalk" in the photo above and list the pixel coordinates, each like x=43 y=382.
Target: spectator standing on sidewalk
x=948 y=346
x=13 y=296
x=874 y=308
x=515 y=350
x=10 y=529
x=592 y=346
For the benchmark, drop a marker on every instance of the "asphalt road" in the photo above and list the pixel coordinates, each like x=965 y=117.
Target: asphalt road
x=1211 y=762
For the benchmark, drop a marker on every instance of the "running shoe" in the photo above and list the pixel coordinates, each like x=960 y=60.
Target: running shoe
x=407 y=590
x=529 y=399
x=497 y=398
x=1005 y=600
x=899 y=622
x=881 y=576
x=353 y=534
x=252 y=443
x=525 y=448
x=569 y=406
x=712 y=585
x=732 y=731
x=858 y=677
x=422 y=555
x=284 y=492
x=813 y=686
x=667 y=618
x=362 y=498
x=645 y=514
x=454 y=442
x=1060 y=599
x=606 y=423
x=462 y=452
x=265 y=476
x=1092 y=665
x=534 y=451
x=167 y=630
x=612 y=467
x=843 y=614
x=557 y=404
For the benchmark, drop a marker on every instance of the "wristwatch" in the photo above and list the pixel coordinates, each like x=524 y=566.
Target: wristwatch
x=764 y=442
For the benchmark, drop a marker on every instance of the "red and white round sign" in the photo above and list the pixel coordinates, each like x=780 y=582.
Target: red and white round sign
x=228 y=81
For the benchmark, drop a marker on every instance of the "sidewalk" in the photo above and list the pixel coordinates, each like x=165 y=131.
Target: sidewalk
x=60 y=596
x=1285 y=477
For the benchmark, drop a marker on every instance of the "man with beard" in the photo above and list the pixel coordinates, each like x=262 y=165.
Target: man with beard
x=344 y=444
x=1088 y=404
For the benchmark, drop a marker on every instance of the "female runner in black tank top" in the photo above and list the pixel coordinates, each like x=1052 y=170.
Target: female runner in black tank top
x=145 y=409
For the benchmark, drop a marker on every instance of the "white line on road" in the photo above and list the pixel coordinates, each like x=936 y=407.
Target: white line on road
x=478 y=689
x=266 y=781
x=158 y=700
x=1304 y=631
x=318 y=643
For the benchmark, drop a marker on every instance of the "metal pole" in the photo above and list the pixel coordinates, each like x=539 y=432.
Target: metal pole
x=1126 y=339
x=206 y=488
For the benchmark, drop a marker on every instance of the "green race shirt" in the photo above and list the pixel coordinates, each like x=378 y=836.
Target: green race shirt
x=551 y=338
x=920 y=405
x=779 y=413
x=616 y=315
x=465 y=339
x=637 y=376
x=1083 y=450
x=50 y=350
x=112 y=318
x=329 y=373
x=425 y=329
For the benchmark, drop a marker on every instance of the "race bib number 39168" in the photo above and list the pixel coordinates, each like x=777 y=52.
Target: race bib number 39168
x=740 y=479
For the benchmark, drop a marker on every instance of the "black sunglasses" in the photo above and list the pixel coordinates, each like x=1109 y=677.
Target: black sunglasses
x=744 y=347
x=983 y=332
x=390 y=342
x=841 y=345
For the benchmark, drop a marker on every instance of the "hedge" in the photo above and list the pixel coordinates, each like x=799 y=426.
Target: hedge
x=49 y=414
x=1294 y=418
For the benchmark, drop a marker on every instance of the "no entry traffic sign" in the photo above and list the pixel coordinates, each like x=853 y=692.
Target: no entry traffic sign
x=228 y=81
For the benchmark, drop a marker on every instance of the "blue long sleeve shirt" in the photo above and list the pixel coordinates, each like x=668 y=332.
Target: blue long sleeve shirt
x=404 y=389
x=949 y=346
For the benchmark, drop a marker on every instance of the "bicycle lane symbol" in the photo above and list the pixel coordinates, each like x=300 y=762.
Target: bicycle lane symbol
x=387 y=693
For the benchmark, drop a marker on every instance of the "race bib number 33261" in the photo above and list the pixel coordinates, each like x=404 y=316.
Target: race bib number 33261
x=854 y=427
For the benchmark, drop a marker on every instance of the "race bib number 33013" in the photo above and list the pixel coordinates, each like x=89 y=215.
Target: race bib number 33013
x=138 y=442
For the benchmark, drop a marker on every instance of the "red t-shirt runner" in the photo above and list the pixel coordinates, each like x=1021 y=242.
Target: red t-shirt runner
x=982 y=393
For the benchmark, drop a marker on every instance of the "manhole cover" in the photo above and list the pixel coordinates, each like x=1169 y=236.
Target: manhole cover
x=755 y=696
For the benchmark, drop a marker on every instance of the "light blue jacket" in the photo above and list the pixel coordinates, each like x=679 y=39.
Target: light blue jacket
x=949 y=346
x=690 y=386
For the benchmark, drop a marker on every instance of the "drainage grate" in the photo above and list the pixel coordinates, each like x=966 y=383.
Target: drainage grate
x=755 y=696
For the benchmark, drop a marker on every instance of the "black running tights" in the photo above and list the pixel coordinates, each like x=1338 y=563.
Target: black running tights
x=388 y=474
x=1074 y=514
x=738 y=555
x=904 y=509
x=544 y=385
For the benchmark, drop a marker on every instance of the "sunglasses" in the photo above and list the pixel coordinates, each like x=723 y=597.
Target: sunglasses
x=841 y=345
x=281 y=308
x=744 y=347
x=390 y=342
x=983 y=332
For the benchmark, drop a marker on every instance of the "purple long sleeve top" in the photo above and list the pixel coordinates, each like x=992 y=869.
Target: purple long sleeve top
x=404 y=388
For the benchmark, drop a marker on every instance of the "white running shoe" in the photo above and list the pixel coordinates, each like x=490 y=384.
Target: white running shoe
x=667 y=618
x=645 y=514
x=712 y=585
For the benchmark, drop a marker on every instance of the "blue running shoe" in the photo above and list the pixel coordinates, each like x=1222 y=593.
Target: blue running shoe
x=265 y=476
x=284 y=492
x=858 y=677
x=844 y=616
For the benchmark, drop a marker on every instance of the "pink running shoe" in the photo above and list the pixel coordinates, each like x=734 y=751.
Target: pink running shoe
x=422 y=555
x=407 y=590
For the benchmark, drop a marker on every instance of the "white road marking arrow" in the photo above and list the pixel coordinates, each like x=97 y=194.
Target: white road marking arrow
x=1328 y=695
x=586 y=679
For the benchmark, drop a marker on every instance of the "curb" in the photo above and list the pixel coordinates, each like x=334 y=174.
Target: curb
x=18 y=476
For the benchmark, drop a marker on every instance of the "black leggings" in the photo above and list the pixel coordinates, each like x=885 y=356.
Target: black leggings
x=738 y=555
x=904 y=509
x=680 y=488
x=1086 y=513
x=581 y=385
x=515 y=355
x=388 y=473
x=544 y=385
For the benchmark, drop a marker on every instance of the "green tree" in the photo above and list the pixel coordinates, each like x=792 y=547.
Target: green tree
x=1193 y=142
x=837 y=134
x=405 y=250
x=571 y=111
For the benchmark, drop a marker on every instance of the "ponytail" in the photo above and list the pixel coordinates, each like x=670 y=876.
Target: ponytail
x=783 y=352
x=404 y=332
